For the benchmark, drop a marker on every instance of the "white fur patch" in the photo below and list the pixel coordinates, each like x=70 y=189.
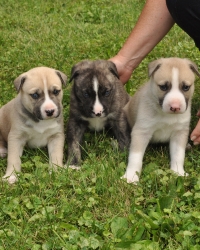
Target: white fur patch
x=48 y=104
x=174 y=100
x=134 y=167
x=39 y=133
x=98 y=107
x=97 y=123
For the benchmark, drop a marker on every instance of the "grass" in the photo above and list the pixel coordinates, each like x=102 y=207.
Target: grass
x=92 y=208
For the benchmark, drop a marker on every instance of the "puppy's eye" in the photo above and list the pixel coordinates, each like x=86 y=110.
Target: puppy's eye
x=56 y=91
x=107 y=92
x=185 y=88
x=164 y=87
x=35 y=96
x=85 y=94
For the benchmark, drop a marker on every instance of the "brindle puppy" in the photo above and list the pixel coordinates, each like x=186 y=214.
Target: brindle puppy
x=97 y=99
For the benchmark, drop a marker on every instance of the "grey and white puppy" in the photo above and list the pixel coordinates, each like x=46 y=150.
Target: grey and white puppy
x=160 y=112
x=97 y=99
x=34 y=117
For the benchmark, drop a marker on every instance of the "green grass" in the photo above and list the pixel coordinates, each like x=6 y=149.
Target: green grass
x=92 y=208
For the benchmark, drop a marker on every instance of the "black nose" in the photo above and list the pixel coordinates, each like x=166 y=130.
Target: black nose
x=49 y=112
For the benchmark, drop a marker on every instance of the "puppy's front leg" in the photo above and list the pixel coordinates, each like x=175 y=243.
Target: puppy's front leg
x=75 y=132
x=55 y=150
x=139 y=142
x=121 y=130
x=15 y=150
x=178 y=144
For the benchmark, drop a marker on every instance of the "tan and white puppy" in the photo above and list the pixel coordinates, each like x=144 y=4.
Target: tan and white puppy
x=34 y=117
x=160 y=112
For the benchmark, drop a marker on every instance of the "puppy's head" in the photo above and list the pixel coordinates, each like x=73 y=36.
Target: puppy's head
x=172 y=83
x=41 y=92
x=94 y=87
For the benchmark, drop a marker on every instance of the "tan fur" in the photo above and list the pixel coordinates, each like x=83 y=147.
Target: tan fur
x=151 y=121
x=19 y=125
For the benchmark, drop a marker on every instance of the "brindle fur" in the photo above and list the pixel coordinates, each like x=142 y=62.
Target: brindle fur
x=107 y=75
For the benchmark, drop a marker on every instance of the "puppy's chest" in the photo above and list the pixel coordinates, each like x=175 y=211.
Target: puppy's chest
x=164 y=128
x=39 y=133
x=97 y=123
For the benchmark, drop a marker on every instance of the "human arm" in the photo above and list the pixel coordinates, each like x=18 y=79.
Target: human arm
x=153 y=24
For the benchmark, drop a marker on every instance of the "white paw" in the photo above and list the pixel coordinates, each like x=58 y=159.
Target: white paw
x=74 y=167
x=131 y=178
x=181 y=173
x=3 y=152
x=10 y=179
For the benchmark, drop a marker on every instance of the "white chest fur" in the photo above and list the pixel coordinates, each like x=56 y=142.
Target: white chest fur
x=39 y=133
x=163 y=126
x=96 y=123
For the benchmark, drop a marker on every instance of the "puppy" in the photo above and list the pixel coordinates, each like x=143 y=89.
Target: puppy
x=160 y=112
x=33 y=117
x=97 y=99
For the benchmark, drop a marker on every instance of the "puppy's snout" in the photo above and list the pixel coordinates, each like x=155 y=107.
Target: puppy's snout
x=49 y=112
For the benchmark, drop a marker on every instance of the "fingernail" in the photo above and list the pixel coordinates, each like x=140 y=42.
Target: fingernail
x=196 y=143
x=193 y=138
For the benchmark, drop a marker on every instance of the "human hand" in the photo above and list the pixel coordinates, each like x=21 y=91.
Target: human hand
x=195 y=135
x=123 y=67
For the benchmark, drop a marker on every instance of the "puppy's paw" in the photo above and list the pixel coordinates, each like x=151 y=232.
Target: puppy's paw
x=74 y=167
x=3 y=152
x=181 y=173
x=188 y=147
x=10 y=179
x=131 y=178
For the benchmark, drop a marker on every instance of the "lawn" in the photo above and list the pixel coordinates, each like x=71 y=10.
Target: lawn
x=92 y=208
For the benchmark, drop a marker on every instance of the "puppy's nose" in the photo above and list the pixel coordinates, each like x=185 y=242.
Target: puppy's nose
x=49 y=112
x=98 y=114
x=174 y=109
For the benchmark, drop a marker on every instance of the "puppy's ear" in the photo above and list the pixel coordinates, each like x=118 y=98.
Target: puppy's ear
x=113 y=69
x=74 y=73
x=194 y=68
x=19 y=81
x=62 y=77
x=153 y=67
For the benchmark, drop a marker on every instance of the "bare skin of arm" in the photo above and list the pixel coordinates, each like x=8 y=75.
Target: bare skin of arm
x=153 y=24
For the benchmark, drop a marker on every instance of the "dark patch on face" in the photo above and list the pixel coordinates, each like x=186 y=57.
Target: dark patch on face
x=185 y=89
x=29 y=114
x=36 y=108
x=164 y=89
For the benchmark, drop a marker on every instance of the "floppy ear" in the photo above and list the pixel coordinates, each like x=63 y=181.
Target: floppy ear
x=194 y=68
x=19 y=81
x=74 y=73
x=79 y=68
x=113 y=69
x=62 y=77
x=153 y=67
